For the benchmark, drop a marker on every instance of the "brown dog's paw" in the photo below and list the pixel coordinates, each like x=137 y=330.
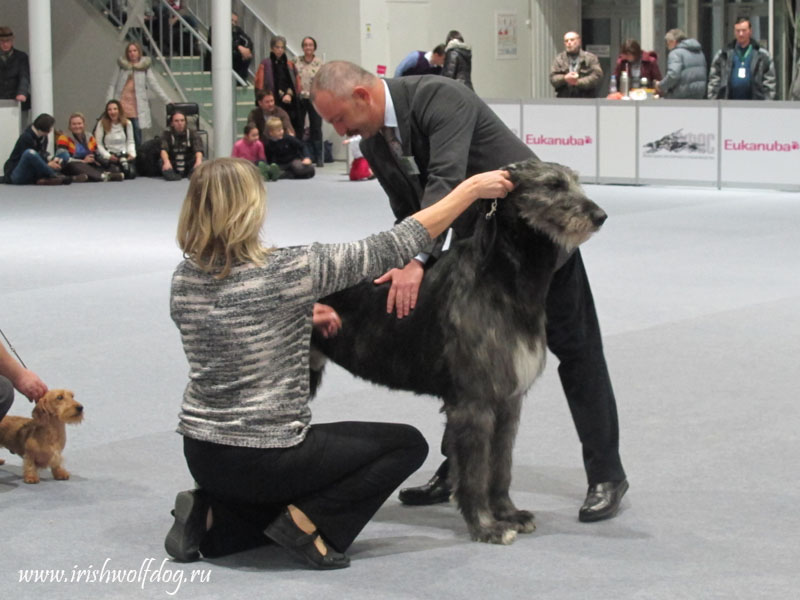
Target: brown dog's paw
x=2 y=461
x=31 y=478
x=60 y=474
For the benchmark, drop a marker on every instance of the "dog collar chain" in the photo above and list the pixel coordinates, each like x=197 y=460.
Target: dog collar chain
x=492 y=210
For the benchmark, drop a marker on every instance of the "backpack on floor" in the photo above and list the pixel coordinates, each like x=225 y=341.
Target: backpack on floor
x=147 y=164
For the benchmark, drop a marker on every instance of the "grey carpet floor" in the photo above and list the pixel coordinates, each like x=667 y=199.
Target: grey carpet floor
x=697 y=292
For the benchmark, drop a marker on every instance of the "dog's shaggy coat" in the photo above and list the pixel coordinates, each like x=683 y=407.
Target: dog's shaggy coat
x=476 y=338
x=40 y=440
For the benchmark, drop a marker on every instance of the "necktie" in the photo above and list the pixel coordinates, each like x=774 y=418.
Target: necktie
x=394 y=143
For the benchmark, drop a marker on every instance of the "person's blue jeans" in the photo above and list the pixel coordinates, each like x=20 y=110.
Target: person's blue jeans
x=30 y=169
x=137 y=132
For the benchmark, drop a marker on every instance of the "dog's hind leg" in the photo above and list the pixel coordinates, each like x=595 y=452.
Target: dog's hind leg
x=502 y=447
x=30 y=473
x=470 y=427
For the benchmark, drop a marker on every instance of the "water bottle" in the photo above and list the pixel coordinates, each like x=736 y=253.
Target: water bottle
x=624 y=84
x=643 y=82
x=612 y=85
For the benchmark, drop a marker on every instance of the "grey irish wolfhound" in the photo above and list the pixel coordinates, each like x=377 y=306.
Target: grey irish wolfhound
x=476 y=338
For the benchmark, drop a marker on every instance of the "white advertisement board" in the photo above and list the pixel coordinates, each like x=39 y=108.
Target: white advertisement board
x=760 y=147
x=564 y=133
x=678 y=143
x=509 y=114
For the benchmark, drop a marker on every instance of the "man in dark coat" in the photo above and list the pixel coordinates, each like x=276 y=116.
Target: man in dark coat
x=743 y=70
x=15 y=76
x=575 y=73
x=423 y=135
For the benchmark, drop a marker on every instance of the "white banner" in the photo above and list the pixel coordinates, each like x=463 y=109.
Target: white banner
x=760 y=147
x=678 y=144
x=509 y=114
x=563 y=133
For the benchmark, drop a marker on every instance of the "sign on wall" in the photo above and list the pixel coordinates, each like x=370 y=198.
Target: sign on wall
x=564 y=133
x=678 y=143
x=763 y=150
x=505 y=34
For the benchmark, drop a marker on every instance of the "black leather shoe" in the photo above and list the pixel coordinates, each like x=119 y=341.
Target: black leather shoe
x=284 y=531
x=435 y=491
x=602 y=500
x=185 y=535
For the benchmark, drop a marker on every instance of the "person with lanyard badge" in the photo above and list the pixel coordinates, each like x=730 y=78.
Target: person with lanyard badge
x=743 y=70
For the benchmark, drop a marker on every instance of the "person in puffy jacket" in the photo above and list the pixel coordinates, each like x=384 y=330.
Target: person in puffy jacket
x=686 y=68
x=457 y=59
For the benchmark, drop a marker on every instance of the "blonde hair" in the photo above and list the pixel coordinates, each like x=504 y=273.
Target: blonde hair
x=77 y=115
x=222 y=215
x=274 y=123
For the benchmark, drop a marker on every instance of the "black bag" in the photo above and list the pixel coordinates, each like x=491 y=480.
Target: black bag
x=147 y=160
x=328 y=151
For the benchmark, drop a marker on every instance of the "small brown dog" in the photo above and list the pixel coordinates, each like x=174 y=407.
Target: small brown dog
x=40 y=440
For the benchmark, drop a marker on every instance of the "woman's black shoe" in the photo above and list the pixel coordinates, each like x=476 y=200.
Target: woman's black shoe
x=186 y=533
x=284 y=531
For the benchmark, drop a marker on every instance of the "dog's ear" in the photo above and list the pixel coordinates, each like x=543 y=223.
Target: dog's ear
x=44 y=407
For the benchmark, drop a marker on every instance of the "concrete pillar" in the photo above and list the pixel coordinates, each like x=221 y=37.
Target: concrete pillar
x=41 y=57
x=647 y=24
x=222 y=78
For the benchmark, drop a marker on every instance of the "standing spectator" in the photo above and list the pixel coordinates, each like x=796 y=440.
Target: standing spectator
x=743 y=70
x=15 y=75
x=131 y=82
x=686 y=68
x=265 y=108
x=575 y=73
x=242 y=48
x=77 y=151
x=249 y=147
x=637 y=63
x=287 y=152
x=181 y=149
x=115 y=146
x=418 y=62
x=277 y=74
x=457 y=59
x=14 y=376
x=307 y=67
x=30 y=162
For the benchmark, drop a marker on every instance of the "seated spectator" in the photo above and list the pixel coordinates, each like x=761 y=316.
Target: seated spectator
x=638 y=64
x=30 y=162
x=418 y=62
x=77 y=151
x=181 y=149
x=116 y=149
x=249 y=147
x=265 y=103
x=287 y=152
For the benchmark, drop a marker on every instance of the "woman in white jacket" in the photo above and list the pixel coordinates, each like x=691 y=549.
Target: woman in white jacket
x=114 y=135
x=130 y=83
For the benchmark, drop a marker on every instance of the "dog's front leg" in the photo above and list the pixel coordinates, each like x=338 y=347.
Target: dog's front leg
x=30 y=473
x=470 y=426
x=502 y=448
x=56 y=469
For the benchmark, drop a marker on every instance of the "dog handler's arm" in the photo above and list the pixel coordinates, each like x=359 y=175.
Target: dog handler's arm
x=25 y=380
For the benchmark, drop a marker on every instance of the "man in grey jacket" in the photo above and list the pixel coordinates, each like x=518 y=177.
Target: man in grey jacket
x=575 y=73
x=743 y=70
x=423 y=135
x=686 y=68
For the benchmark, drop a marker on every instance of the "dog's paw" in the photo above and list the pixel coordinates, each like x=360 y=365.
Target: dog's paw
x=2 y=461
x=499 y=532
x=60 y=473
x=31 y=479
x=523 y=520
